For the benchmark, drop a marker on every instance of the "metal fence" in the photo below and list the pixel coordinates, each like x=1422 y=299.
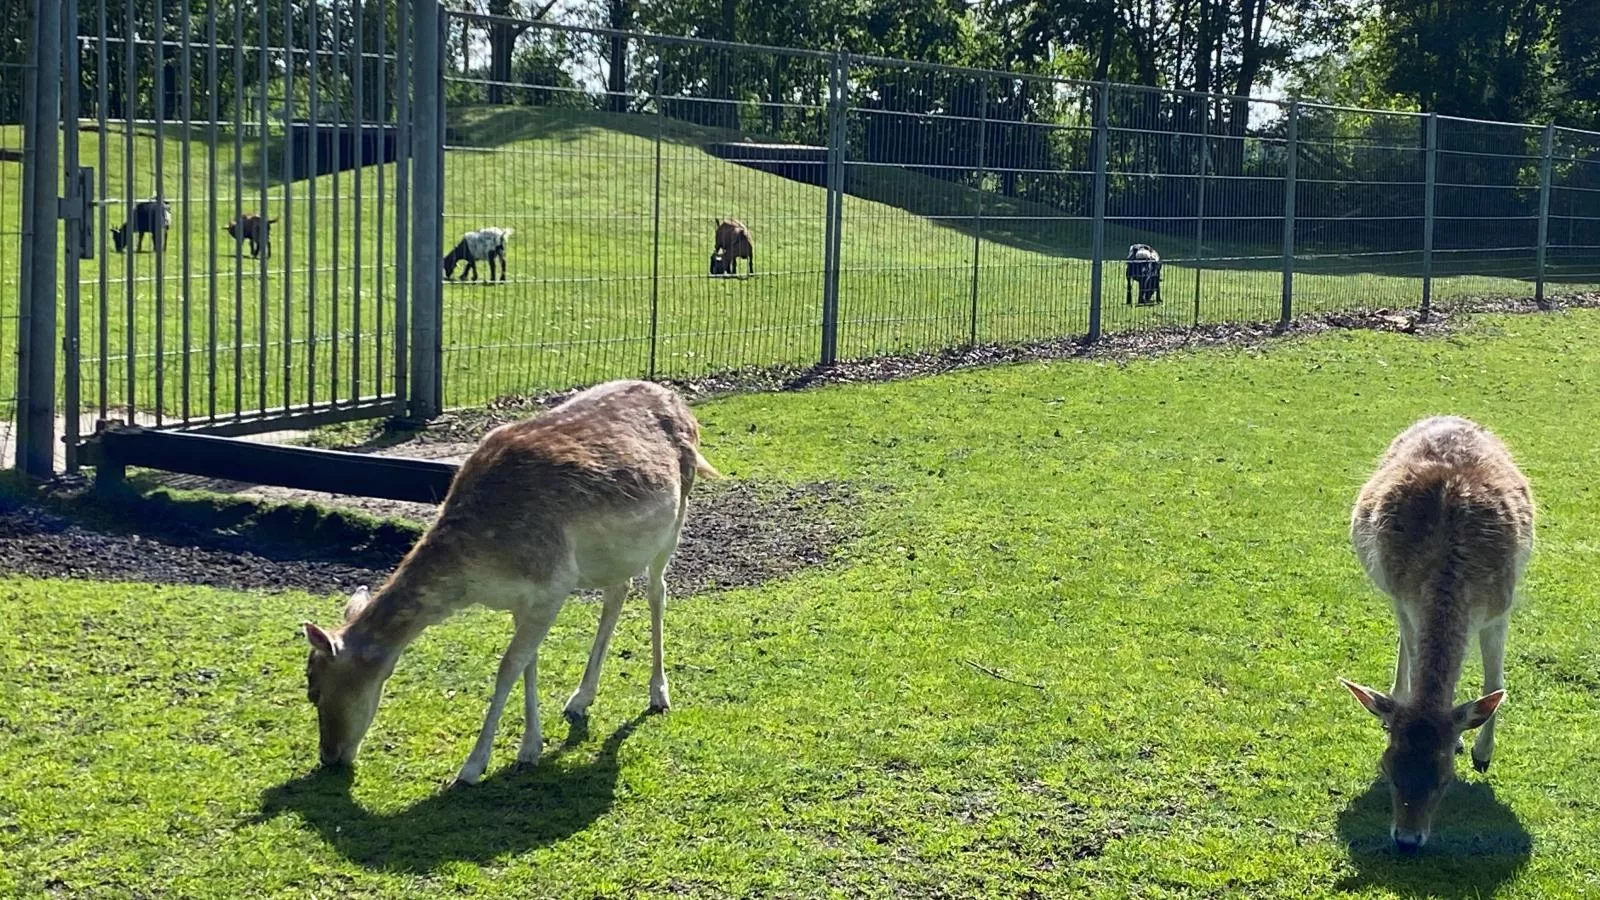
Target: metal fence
x=895 y=207
x=15 y=81
x=904 y=207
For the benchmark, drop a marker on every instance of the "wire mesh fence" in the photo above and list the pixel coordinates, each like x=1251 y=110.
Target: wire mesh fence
x=900 y=207
x=14 y=83
x=677 y=208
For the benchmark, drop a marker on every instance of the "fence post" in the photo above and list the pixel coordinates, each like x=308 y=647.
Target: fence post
x=1290 y=174
x=79 y=237
x=426 y=205
x=835 y=209
x=977 y=222
x=1097 y=231
x=655 y=227
x=36 y=442
x=1546 y=149
x=1430 y=168
x=1200 y=206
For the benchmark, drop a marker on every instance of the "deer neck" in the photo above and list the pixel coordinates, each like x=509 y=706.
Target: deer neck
x=1438 y=656
x=414 y=598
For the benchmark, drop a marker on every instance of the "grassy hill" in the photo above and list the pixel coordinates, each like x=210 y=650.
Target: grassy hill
x=580 y=189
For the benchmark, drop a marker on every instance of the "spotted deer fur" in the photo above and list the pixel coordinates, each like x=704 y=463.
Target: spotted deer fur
x=1445 y=527
x=586 y=495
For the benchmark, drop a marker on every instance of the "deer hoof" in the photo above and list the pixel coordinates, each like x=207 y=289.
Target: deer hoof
x=1482 y=765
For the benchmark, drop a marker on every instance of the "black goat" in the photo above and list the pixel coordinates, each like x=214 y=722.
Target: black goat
x=1144 y=266
x=152 y=217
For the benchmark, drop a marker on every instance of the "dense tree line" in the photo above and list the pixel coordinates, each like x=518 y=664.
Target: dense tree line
x=1507 y=60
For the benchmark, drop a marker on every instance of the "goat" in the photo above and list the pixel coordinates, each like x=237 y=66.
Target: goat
x=253 y=228
x=152 y=217
x=733 y=243
x=586 y=495
x=1144 y=267
x=485 y=243
x=1445 y=528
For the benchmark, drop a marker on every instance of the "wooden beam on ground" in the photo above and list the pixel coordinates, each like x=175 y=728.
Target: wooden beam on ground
x=116 y=448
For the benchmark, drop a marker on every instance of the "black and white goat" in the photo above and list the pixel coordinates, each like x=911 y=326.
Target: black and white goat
x=1144 y=267
x=483 y=244
x=152 y=217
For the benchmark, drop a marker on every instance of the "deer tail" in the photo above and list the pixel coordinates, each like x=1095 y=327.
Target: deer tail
x=705 y=469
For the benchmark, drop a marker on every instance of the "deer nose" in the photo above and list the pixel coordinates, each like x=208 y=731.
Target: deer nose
x=1407 y=842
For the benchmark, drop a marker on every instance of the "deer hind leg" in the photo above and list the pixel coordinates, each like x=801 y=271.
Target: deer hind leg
x=656 y=591
x=1492 y=641
x=521 y=659
x=578 y=706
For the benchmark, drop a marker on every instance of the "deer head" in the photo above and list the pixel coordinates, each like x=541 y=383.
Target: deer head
x=1419 y=761
x=344 y=680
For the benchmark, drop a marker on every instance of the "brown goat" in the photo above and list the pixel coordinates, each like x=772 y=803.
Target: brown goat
x=251 y=227
x=733 y=244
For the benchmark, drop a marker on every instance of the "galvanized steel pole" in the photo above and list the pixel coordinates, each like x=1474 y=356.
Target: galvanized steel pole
x=426 y=156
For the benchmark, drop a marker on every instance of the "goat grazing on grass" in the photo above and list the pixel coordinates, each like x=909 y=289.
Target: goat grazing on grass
x=483 y=244
x=253 y=228
x=1144 y=267
x=152 y=217
x=733 y=243
x=586 y=495
x=1444 y=527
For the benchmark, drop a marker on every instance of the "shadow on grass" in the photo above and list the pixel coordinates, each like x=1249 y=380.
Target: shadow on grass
x=1478 y=845
x=510 y=811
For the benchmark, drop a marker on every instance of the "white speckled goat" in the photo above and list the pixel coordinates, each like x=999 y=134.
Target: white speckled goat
x=1144 y=266
x=483 y=244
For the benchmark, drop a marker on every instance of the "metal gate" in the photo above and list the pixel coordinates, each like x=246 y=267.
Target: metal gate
x=240 y=197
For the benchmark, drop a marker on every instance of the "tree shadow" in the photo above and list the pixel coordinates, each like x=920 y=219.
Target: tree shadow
x=1478 y=844
x=510 y=811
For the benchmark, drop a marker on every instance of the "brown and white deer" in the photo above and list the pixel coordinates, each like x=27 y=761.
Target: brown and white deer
x=586 y=495
x=1444 y=527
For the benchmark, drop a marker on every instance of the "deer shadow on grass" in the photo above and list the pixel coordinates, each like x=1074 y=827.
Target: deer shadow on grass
x=510 y=811
x=1478 y=845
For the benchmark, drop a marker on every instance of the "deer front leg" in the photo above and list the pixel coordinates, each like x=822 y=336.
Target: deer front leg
x=578 y=707
x=521 y=659
x=1492 y=641
x=1402 y=661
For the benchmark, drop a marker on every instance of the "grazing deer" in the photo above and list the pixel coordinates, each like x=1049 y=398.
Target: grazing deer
x=1445 y=528
x=586 y=495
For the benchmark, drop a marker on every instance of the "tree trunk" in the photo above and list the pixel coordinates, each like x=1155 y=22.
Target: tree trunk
x=620 y=18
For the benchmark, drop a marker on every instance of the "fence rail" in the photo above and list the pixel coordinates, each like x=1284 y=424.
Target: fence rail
x=894 y=207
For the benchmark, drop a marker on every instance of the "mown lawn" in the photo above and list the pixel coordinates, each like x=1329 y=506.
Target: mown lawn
x=589 y=285
x=1159 y=547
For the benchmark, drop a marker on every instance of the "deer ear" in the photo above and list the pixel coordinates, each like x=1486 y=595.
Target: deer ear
x=320 y=640
x=358 y=602
x=1377 y=702
x=1473 y=713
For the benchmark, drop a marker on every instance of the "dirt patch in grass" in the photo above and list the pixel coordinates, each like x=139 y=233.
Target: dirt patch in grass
x=738 y=534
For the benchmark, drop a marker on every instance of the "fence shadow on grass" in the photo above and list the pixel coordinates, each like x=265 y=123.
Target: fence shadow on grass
x=511 y=811
x=1478 y=845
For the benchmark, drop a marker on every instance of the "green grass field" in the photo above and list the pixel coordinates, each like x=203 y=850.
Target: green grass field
x=580 y=189
x=1159 y=546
